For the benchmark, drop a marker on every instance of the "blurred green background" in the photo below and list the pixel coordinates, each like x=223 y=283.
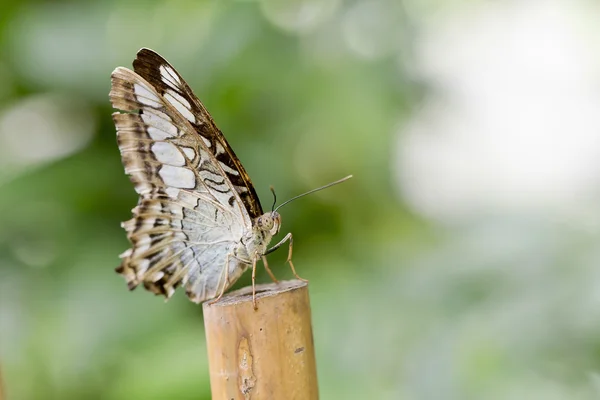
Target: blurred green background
x=461 y=262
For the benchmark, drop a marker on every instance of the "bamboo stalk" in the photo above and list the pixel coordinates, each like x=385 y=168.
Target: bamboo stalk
x=264 y=354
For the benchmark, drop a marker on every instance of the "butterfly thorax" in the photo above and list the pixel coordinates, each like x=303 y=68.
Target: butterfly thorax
x=263 y=229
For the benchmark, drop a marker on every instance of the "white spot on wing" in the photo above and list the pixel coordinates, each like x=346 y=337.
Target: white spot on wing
x=169 y=76
x=141 y=248
x=142 y=187
x=167 y=153
x=159 y=125
x=145 y=96
x=206 y=174
x=172 y=192
x=148 y=222
x=228 y=169
x=183 y=110
x=157 y=134
x=157 y=276
x=203 y=155
x=189 y=152
x=178 y=177
x=144 y=264
x=220 y=149
x=206 y=141
x=126 y=253
x=170 y=291
x=180 y=99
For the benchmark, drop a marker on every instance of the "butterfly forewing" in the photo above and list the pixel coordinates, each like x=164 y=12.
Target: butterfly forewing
x=167 y=82
x=196 y=201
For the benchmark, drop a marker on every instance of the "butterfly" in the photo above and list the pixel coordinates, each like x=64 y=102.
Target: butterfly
x=198 y=223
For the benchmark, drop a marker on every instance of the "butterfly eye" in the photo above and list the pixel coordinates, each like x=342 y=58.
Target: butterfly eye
x=265 y=222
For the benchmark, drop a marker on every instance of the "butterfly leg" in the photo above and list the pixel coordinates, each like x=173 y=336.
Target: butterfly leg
x=224 y=282
x=264 y=259
x=254 y=260
x=289 y=257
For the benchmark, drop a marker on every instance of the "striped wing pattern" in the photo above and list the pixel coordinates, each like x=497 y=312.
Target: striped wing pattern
x=196 y=200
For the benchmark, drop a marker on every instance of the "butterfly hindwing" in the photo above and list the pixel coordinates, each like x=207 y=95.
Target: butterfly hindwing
x=183 y=242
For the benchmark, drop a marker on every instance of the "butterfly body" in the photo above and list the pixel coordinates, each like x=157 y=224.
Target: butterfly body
x=198 y=223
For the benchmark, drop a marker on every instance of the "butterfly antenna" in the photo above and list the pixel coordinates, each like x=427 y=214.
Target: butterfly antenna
x=274 y=197
x=312 y=191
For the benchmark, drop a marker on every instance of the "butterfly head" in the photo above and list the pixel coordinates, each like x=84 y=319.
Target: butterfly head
x=269 y=222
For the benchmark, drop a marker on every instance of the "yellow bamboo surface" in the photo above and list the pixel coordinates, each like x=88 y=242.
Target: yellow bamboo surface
x=263 y=354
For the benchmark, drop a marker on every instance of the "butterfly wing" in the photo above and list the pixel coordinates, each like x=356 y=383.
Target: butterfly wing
x=169 y=84
x=190 y=216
